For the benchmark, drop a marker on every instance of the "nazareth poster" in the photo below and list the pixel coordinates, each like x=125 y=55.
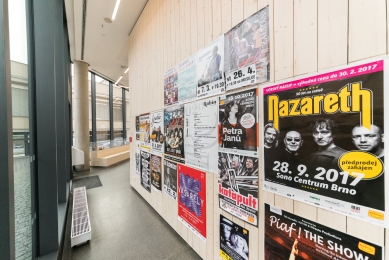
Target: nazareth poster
x=145 y=180
x=156 y=172
x=137 y=128
x=187 y=86
x=210 y=76
x=170 y=87
x=192 y=200
x=170 y=178
x=246 y=51
x=174 y=133
x=238 y=186
x=288 y=236
x=234 y=240
x=201 y=142
x=323 y=141
x=238 y=123
x=156 y=130
x=137 y=158
x=144 y=132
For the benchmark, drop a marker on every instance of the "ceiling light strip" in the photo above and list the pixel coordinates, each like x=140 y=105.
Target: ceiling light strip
x=118 y=79
x=115 y=10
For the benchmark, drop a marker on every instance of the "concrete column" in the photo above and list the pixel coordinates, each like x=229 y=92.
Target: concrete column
x=81 y=110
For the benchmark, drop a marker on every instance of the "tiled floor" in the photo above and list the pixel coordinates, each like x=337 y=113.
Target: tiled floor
x=123 y=224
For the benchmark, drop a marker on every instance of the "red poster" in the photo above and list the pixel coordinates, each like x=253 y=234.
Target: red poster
x=192 y=200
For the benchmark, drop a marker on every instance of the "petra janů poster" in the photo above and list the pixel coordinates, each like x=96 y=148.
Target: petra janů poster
x=156 y=132
x=145 y=180
x=246 y=51
x=288 y=236
x=174 y=133
x=238 y=186
x=144 y=132
x=170 y=87
x=156 y=172
x=201 y=143
x=192 y=200
x=170 y=179
x=187 y=85
x=210 y=76
x=238 y=123
x=323 y=141
x=234 y=240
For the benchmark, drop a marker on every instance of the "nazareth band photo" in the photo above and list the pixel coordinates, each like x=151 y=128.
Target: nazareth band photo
x=238 y=122
x=327 y=138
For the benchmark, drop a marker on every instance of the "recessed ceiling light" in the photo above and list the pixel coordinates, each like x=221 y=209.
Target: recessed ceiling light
x=107 y=20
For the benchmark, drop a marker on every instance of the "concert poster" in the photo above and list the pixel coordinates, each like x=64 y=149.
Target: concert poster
x=145 y=179
x=137 y=128
x=323 y=141
x=170 y=179
x=156 y=130
x=192 y=200
x=156 y=172
x=288 y=236
x=201 y=142
x=246 y=51
x=144 y=132
x=170 y=84
x=174 y=133
x=210 y=76
x=238 y=123
x=238 y=186
x=234 y=240
x=187 y=85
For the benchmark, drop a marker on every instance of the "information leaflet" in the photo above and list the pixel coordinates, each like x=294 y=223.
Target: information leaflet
x=323 y=141
x=238 y=186
x=156 y=172
x=170 y=179
x=156 y=130
x=137 y=158
x=238 y=120
x=288 y=236
x=246 y=51
x=174 y=133
x=144 y=132
x=210 y=76
x=145 y=171
x=234 y=240
x=187 y=85
x=192 y=200
x=201 y=143
x=170 y=84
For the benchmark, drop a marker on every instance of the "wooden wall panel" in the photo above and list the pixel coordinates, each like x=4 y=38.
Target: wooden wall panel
x=305 y=36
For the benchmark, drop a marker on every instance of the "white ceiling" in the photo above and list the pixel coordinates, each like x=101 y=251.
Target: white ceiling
x=106 y=44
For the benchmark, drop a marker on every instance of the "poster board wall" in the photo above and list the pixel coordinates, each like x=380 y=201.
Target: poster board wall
x=302 y=42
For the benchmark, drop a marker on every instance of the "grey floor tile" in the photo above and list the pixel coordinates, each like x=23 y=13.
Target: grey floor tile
x=124 y=225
